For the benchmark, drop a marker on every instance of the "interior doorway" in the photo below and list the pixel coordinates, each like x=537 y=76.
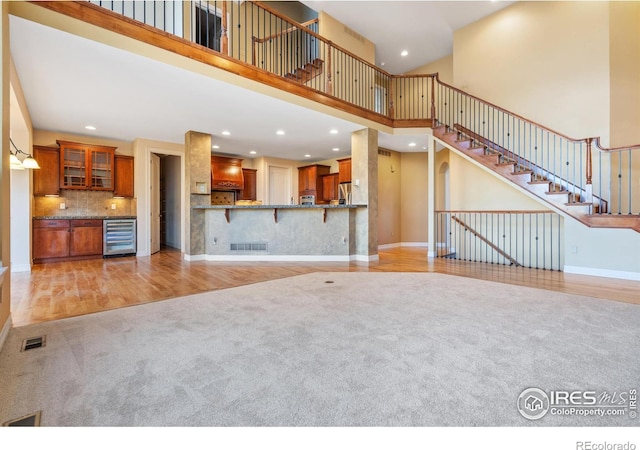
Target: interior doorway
x=165 y=202
x=279 y=185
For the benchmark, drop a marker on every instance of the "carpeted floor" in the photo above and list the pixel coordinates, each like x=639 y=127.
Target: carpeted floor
x=367 y=349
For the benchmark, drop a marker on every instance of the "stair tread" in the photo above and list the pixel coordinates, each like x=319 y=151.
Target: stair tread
x=557 y=192
x=539 y=182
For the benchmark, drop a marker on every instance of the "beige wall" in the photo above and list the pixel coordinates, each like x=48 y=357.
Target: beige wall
x=389 y=198
x=474 y=189
x=547 y=61
x=343 y=36
x=414 y=188
x=625 y=73
x=443 y=67
x=49 y=138
x=5 y=236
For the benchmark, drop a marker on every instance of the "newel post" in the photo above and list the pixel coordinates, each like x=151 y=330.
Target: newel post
x=329 y=87
x=589 y=168
x=224 y=37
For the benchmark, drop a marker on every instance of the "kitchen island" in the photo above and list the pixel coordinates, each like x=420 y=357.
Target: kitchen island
x=276 y=233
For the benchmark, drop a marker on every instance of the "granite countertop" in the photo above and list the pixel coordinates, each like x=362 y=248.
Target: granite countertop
x=278 y=206
x=82 y=217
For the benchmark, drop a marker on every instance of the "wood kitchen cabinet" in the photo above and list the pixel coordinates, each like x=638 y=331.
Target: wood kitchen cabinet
x=64 y=239
x=330 y=187
x=310 y=181
x=84 y=166
x=250 y=182
x=46 y=181
x=50 y=239
x=344 y=170
x=123 y=176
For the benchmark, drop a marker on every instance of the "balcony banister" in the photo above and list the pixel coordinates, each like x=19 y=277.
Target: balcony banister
x=506 y=111
x=283 y=32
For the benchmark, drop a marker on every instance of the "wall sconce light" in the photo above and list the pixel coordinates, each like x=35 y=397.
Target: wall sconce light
x=27 y=163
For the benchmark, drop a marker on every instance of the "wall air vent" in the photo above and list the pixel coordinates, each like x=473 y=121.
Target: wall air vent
x=353 y=34
x=384 y=152
x=34 y=342
x=31 y=420
x=248 y=247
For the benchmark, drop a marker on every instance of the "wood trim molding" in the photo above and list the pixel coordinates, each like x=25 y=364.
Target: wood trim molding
x=4 y=332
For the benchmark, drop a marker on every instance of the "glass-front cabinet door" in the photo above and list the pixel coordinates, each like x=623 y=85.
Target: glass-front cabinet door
x=84 y=166
x=101 y=170
x=73 y=168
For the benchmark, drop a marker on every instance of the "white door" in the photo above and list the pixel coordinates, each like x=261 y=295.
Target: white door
x=155 y=203
x=279 y=185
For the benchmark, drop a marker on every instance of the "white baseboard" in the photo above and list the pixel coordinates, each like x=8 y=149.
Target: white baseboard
x=195 y=257
x=364 y=258
x=634 y=276
x=283 y=258
x=21 y=268
x=278 y=258
x=4 y=333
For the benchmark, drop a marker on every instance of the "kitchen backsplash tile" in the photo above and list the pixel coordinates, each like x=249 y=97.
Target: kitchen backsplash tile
x=84 y=203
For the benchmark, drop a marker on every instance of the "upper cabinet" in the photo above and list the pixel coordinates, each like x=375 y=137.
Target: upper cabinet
x=249 y=191
x=123 y=181
x=84 y=166
x=310 y=180
x=46 y=181
x=344 y=170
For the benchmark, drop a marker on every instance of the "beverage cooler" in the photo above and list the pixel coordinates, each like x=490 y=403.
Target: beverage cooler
x=119 y=237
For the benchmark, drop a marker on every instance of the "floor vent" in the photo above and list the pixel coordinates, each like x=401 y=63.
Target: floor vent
x=31 y=420
x=34 y=342
x=248 y=247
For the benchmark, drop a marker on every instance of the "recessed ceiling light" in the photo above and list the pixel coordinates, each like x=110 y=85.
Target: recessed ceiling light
x=253 y=152
x=382 y=63
x=90 y=127
x=412 y=144
x=215 y=146
x=280 y=132
x=226 y=133
x=336 y=149
x=404 y=53
x=334 y=131
x=307 y=156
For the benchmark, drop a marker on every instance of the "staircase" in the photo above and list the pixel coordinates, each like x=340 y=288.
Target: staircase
x=306 y=73
x=559 y=194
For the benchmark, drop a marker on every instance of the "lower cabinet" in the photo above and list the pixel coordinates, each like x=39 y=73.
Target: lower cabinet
x=64 y=239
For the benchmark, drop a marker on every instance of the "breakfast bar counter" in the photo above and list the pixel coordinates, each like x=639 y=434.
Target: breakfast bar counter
x=275 y=232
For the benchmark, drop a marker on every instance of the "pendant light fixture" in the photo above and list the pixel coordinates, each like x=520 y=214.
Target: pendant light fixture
x=27 y=163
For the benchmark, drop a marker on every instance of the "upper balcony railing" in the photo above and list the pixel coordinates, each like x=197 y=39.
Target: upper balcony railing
x=256 y=34
x=258 y=38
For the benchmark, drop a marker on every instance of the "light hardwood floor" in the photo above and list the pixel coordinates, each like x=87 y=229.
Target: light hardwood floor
x=59 y=290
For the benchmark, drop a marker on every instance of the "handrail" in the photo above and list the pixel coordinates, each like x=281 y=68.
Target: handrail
x=616 y=149
x=509 y=112
x=319 y=37
x=287 y=31
x=486 y=241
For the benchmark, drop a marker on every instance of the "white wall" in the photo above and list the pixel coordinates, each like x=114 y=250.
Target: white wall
x=20 y=180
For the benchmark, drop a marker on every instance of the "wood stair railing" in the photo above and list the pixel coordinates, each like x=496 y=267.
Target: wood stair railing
x=501 y=163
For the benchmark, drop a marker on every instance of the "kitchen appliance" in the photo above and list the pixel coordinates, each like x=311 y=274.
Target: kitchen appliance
x=119 y=237
x=344 y=193
x=308 y=200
